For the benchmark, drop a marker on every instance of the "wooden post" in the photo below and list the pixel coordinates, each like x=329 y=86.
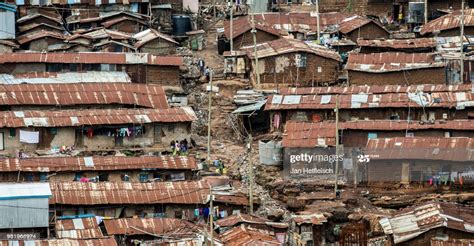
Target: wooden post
x=317 y=20
x=209 y=118
x=254 y=34
x=461 y=36
x=211 y=217
x=231 y=26
x=426 y=11
x=250 y=174
x=337 y=145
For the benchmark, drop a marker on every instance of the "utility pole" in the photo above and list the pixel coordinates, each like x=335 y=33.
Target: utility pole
x=211 y=217
x=231 y=26
x=254 y=32
x=462 y=42
x=337 y=145
x=250 y=174
x=209 y=118
x=426 y=11
x=317 y=20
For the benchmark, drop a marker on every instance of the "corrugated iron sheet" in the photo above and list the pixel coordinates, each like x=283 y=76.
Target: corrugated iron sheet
x=117 y=20
x=79 y=2
x=92 y=58
x=78 y=193
x=170 y=226
x=235 y=219
x=109 y=241
x=374 y=89
x=309 y=134
x=87 y=117
x=354 y=22
x=101 y=163
x=308 y=217
x=421 y=148
x=452 y=242
x=65 y=78
x=449 y=21
x=285 y=46
x=144 y=95
x=28 y=37
x=11 y=43
x=242 y=236
x=428 y=99
x=42 y=14
x=391 y=61
x=412 y=222
x=149 y=35
x=242 y=25
x=78 y=228
x=234 y=199
x=399 y=43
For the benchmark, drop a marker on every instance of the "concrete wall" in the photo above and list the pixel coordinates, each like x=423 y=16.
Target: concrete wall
x=282 y=69
x=246 y=38
x=409 y=77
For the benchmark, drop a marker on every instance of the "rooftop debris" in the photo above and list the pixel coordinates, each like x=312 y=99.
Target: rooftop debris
x=308 y=217
x=421 y=148
x=412 y=222
x=82 y=228
x=100 y=163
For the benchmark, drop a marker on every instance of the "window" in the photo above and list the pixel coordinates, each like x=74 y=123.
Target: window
x=73 y=67
x=300 y=60
x=372 y=135
x=43 y=177
x=29 y=177
x=107 y=67
x=103 y=177
x=143 y=177
x=12 y=133
x=125 y=178
x=394 y=117
x=54 y=67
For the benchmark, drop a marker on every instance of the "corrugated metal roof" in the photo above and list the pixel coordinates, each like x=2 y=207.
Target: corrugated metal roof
x=354 y=22
x=421 y=148
x=309 y=134
x=24 y=190
x=285 y=46
x=77 y=193
x=417 y=99
x=28 y=37
x=412 y=222
x=8 y=7
x=391 y=61
x=11 y=43
x=26 y=28
x=143 y=95
x=235 y=219
x=449 y=21
x=79 y=2
x=63 y=118
x=101 y=163
x=308 y=217
x=399 y=43
x=374 y=89
x=174 y=228
x=82 y=228
x=91 y=58
x=109 y=241
x=233 y=199
x=148 y=35
x=245 y=236
x=66 y=77
x=117 y=20
x=242 y=25
x=452 y=242
x=53 y=17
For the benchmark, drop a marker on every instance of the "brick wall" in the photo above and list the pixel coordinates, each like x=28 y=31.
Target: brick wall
x=246 y=38
x=282 y=70
x=409 y=77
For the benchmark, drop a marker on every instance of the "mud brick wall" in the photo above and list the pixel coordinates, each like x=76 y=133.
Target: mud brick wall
x=409 y=77
x=163 y=75
x=246 y=39
x=282 y=69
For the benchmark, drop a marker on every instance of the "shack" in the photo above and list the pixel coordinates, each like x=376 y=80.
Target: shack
x=358 y=27
x=8 y=46
x=99 y=168
x=109 y=241
x=84 y=227
x=286 y=62
x=449 y=25
x=24 y=209
x=415 y=45
x=422 y=160
x=7 y=17
x=307 y=228
x=418 y=225
x=154 y=42
x=395 y=68
x=242 y=32
x=142 y=68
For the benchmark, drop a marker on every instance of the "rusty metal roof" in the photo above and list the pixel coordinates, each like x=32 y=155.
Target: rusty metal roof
x=285 y=46
x=148 y=35
x=91 y=58
x=11 y=43
x=309 y=134
x=142 y=95
x=399 y=43
x=411 y=222
x=116 y=20
x=374 y=89
x=107 y=241
x=65 y=77
x=245 y=236
x=454 y=97
x=421 y=148
x=242 y=25
x=235 y=219
x=79 y=193
x=78 y=2
x=53 y=17
x=452 y=242
x=309 y=217
x=78 y=228
x=392 y=61
x=101 y=163
x=64 y=118
x=26 y=28
x=169 y=227
x=449 y=21
x=28 y=37
x=354 y=22
x=233 y=199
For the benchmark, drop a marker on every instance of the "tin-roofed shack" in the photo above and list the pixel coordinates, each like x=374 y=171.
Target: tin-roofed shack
x=395 y=68
x=427 y=104
x=291 y=62
x=449 y=25
x=154 y=42
x=242 y=35
x=424 y=160
x=93 y=130
x=356 y=27
x=107 y=241
x=415 y=45
x=141 y=67
x=100 y=168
